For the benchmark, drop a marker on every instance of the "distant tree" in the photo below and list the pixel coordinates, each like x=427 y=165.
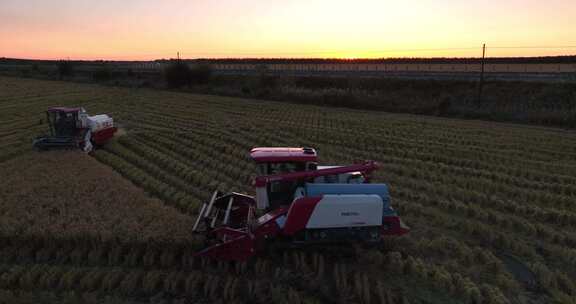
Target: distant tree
x=102 y=73
x=265 y=79
x=201 y=74
x=177 y=74
x=25 y=72
x=65 y=69
x=262 y=69
x=444 y=106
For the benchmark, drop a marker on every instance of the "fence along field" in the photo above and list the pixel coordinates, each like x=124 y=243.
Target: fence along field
x=543 y=71
x=408 y=67
x=491 y=206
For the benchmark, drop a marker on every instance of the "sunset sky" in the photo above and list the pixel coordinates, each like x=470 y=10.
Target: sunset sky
x=142 y=29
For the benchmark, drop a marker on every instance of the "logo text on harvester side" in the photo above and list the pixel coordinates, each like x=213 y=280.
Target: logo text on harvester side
x=351 y=213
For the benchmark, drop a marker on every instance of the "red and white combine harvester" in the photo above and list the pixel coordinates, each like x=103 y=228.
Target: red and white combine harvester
x=73 y=128
x=300 y=203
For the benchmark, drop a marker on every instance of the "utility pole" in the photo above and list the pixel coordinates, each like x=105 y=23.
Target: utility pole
x=481 y=83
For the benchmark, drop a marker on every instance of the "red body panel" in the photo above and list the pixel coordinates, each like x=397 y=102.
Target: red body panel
x=267 y=225
x=241 y=244
x=366 y=168
x=102 y=136
x=299 y=214
x=393 y=225
x=239 y=248
x=227 y=233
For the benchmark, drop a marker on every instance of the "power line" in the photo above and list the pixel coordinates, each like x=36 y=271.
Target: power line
x=325 y=52
x=335 y=51
x=534 y=47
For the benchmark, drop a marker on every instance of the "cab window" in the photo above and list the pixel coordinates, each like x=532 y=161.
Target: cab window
x=279 y=168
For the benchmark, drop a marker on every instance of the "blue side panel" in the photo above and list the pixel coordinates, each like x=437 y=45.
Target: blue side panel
x=378 y=189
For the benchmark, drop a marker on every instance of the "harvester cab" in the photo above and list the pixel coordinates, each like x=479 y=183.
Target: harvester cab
x=299 y=202
x=277 y=161
x=63 y=121
x=73 y=128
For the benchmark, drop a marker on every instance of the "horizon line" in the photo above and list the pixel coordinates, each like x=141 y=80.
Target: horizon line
x=68 y=58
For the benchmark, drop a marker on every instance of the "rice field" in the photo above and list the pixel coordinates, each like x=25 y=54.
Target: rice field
x=64 y=195
x=490 y=205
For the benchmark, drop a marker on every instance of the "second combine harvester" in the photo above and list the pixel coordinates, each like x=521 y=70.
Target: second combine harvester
x=73 y=128
x=300 y=202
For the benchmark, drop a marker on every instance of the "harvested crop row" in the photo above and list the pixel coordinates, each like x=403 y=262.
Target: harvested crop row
x=69 y=195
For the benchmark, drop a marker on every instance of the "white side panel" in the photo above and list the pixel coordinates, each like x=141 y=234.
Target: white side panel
x=354 y=210
x=87 y=143
x=99 y=122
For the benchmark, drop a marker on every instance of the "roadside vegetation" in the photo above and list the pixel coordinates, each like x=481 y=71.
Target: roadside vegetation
x=548 y=103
